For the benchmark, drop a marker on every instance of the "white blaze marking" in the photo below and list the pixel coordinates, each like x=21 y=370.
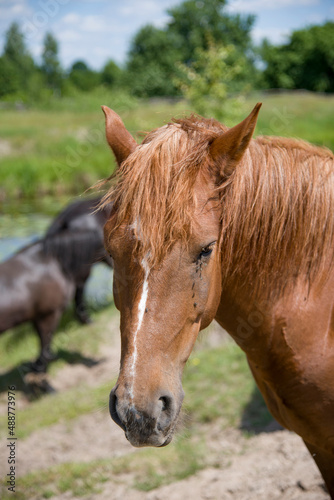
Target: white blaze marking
x=136 y=227
x=141 y=312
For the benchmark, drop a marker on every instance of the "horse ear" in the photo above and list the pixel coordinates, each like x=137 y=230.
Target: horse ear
x=119 y=139
x=230 y=146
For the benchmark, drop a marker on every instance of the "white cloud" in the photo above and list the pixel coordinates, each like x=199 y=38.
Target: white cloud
x=68 y=35
x=9 y=9
x=92 y=23
x=131 y=8
x=19 y=8
x=146 y=8
x=71 y=18
x=127 y=10
x=258 y=5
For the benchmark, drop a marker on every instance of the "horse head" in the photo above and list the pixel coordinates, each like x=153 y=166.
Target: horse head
x=164 y=237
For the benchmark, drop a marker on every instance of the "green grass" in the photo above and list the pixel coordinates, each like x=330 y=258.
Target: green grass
x=217 y=383
x=62 y=150
x=306 y=116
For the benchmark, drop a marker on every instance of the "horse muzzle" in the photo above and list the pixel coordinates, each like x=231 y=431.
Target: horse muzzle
x=149 y=424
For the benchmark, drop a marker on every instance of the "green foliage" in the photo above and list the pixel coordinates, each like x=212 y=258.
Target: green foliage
x=206 y=83
x=111 y=74
x=51 y=68
x=9 y=77
x=305 y=62
x=155 y=54
x=151 y=65
x=196 y=22
x=82 y=77
x=16 y=64
x=15 y=50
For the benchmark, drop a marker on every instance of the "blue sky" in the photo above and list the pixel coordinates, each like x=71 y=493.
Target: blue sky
x=96 y=30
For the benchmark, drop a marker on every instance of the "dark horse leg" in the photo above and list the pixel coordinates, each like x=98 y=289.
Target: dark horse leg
x=80 y=306
x=325 y=463
x=45 y=327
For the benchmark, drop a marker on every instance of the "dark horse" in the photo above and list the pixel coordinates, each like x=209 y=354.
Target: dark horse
x=39 y=281
x=208 y=223
x=75 y=237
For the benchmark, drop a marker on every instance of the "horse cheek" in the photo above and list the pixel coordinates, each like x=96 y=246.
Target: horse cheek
x=214 y=296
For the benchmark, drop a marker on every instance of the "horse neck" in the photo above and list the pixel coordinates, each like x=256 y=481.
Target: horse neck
x=245 y=316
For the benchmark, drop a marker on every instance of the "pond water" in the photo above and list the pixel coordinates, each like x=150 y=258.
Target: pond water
x=19 y=229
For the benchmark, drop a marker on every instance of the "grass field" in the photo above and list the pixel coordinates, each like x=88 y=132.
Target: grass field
x=63 y=150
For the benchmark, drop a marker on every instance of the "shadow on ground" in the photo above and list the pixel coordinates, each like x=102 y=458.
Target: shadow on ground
x=34 y=385
x=256 y=417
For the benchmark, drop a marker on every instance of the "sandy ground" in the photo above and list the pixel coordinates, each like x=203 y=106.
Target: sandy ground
x=269 y=466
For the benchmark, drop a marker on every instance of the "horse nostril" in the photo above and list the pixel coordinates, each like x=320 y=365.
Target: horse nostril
x=113 y=410
x=167 y=403
x=167 y=412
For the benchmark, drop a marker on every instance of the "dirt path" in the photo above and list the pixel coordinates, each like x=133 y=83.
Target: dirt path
x=269 y=466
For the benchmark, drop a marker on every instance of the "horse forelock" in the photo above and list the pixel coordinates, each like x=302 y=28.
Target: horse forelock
x=154 y=190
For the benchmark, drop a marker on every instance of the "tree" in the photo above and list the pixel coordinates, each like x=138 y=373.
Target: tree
x=152 y=62
x=14 y=48
x=50 y=64
x=154 y=54
x=16 y=64
x=306 y=61
x=206 y=83
x=195 y=22
x=111 y=74
x=9 y=77
x=83 y=77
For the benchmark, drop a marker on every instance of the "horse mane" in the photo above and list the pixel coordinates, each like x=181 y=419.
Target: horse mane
x=277 y=205
x=278 y=214
x=76 y=251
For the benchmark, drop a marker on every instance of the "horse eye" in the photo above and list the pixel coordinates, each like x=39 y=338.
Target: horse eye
x=205 y=252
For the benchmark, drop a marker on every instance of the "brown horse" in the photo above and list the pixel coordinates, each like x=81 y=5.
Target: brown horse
x=210 y=223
